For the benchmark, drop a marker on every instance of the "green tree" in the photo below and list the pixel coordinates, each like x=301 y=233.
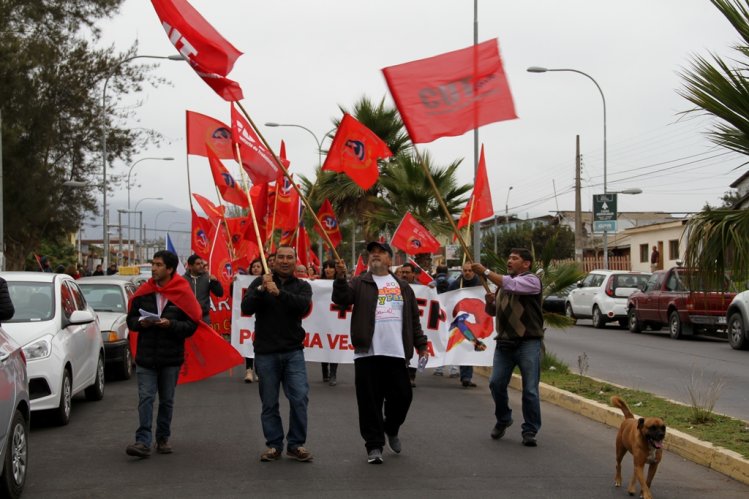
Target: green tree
x=52 y=117
x=716 y=241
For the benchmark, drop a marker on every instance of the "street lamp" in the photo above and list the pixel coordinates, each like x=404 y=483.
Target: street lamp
x=128 y=187
x=140 y=216
x=538 y=69
x=507 y=201
x=156 y=220
x=105 y=242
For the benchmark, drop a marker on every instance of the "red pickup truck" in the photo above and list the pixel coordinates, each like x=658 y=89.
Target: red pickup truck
x=665 y=299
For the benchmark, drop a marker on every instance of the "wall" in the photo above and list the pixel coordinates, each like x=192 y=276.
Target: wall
x=651 y=236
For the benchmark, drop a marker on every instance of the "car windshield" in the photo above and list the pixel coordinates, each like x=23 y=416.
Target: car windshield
x=629 y=280
x=104 y=297
x=32 y=300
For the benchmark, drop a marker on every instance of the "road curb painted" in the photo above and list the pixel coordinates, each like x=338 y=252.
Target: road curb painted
x=717 y=458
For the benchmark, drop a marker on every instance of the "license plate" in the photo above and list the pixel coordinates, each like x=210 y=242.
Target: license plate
x=721 y=320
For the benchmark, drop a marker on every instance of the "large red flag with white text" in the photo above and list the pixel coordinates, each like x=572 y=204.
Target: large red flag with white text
x=227 y=186
x=413 y=238
x=449 y=94
x=480 y=203
x=355 y=151
x=257 y=161
x=203 y=132
x=327 y=218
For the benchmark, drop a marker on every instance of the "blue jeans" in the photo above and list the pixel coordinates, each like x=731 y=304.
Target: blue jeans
x=163 y=380
x=527 y=356
x=466 y=373
x=287 y=369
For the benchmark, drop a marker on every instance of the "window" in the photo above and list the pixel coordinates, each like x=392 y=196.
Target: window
x=644 y=256
x=67 y=300
x=673 y=249
x=654 y=283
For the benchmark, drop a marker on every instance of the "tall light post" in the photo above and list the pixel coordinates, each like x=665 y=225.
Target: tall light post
x=507 y=204
x=156 y=220
x=140 y=215
x=130 y=170
x=105 y=242
x=538 y=69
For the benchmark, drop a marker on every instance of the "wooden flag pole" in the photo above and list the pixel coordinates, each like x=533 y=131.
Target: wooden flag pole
x=266 y=270
x=232 y=253
x=287 y=175
x=275 y=208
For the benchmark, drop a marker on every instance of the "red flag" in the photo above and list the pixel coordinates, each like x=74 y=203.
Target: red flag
x=201 y=234
x=412 y=238
x=302 y=246
x=226 y=184
x=219 y=261
x=287 y=205
x=210 y=55
x=259 y=196
x=327 y=218
x=257 y=161
x=213 y=212
x=480 y=203
x=286 y=238
x=355 y=151
x=360 y=267
x=449 y=94
x=423 y=277
x=204 y=131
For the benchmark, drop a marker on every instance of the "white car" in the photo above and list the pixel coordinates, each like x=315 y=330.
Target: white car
x=61 y=340
x=109 y=296
x=737 y=316
x=602 y=296
x=14 y=417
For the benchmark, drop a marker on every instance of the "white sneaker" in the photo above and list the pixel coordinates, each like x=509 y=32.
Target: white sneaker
x=249 y=376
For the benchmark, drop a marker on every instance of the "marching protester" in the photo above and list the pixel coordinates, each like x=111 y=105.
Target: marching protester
x=520 y=333
x=467 y=279
x=256 y=269
x=329 y=370
x=163 y=312
x=279 y=300
x=202 y=284
x=408 y=274
x=385 y=329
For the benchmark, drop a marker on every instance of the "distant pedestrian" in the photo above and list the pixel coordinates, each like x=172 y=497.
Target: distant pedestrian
x=202 y=284
x=520 y=333
x=655 y=259
x=98 y=270
x=467 y=279
x=112 y=269
x=329 y=370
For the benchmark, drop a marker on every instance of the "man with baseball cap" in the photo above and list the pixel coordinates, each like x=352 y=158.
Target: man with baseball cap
x=385 y=330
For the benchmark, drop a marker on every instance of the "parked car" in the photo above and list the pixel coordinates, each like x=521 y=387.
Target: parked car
x=14 y=417
x=737 y=317
x=602 y=296
x=666 y=299
x=61 y=340
x=109 y=296
x=555 y=303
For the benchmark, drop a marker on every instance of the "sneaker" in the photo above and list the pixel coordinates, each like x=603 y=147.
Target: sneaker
x=467 y=383
x=374 y=456
x=270 y=454
x=138 y=449
x=438 y=373
x=394 y=442
x=333 y=381
x=163 y=447
x=499 y=430
x=300 y=454
x=529 y=440
x=249 y=376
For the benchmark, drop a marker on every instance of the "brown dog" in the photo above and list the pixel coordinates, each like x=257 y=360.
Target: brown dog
x=643 y=438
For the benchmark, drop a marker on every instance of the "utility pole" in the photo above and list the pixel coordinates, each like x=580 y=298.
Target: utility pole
x=578 y=206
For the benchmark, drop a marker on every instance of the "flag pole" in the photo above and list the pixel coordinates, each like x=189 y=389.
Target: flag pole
x=275 y=208
x=287 y=175
x=254 y=218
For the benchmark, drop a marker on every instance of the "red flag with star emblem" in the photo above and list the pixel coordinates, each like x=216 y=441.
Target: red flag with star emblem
x=479 y=206
x=257 y=161
x=413 y=238
x=327 y=218
x=227 y=186
x=202 y=232
x=355 y=151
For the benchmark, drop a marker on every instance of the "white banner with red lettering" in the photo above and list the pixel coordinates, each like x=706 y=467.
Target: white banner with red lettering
x=454 y=323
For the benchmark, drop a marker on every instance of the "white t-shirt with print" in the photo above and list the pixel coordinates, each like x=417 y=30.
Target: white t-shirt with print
x=388 y=330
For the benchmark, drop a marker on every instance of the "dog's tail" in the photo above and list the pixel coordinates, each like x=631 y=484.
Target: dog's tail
x=618 y=402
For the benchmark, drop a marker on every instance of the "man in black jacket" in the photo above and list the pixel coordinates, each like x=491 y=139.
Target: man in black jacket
x=160 y=313
x=279 y=301
x=385 y=329
x=203 y=284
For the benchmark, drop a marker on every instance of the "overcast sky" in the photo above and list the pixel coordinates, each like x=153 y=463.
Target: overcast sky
x=302 y=59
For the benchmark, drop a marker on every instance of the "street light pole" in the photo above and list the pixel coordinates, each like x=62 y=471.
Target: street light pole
x=156 y=220
x=140 y=220
x=537 y=69
x=128 y=188
x=105 y=222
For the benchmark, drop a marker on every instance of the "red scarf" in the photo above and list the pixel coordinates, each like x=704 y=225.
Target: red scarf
x=177 y=291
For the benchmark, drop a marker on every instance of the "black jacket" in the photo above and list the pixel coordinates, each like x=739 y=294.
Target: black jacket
x=160 y=347
x=278 y=319
x=456 y=284
x=6 y=304
x=362 y=292
x=202 y=286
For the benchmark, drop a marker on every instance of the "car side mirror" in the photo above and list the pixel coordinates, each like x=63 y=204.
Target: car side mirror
x=643 y=286
x=81 y=317
x=579 y=284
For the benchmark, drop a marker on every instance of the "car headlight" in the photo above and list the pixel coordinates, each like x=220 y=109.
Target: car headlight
x=109 y=336
x=38 y=349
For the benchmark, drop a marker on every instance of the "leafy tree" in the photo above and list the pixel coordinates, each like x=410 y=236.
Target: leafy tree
x=528 y=235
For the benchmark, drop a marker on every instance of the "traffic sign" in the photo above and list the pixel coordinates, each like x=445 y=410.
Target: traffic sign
x=604 y=207
x=604 y=226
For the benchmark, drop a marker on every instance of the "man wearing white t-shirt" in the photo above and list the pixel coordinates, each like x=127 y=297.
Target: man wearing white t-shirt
x=385 y=330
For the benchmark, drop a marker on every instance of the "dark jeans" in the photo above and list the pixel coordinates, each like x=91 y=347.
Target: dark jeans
x=248 y=362
x=527 y=356
x=466 y=373
x=332 y=372
x=287 y=369
x=163 y=380
x=381 y=380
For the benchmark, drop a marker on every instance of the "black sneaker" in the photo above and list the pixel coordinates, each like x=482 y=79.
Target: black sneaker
x=138 y=449
x=467 y=383
x=374 y=456
x=394 y=442
x=499 y=430
x=529 y=440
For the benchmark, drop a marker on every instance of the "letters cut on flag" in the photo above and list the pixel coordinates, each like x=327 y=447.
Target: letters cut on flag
x=257 y=161
x=203 y=132
x=227 y=186
x=208 y=53
x=479 y=206
x=413 y=238
x=327 y=218
x=449 y=94
x=355 y=151
x=202 y=234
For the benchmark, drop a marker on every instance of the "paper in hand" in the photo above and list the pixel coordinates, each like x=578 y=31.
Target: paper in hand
x=146 y=315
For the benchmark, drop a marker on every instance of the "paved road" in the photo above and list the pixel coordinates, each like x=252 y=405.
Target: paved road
x=655 y=363
x=447 y=451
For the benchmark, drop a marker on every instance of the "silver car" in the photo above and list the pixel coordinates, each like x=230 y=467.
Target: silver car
x=15 y=410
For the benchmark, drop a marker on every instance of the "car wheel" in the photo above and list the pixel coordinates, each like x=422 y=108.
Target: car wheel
x=96 y=391
x=674 y=325
x=125 y=370
x=737 y=332
x=598 y=321
x=568 y=312
x=634 y=324
x=62 y=413
x=16 y=458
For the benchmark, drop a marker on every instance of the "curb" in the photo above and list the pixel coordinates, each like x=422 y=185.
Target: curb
x=717 y=458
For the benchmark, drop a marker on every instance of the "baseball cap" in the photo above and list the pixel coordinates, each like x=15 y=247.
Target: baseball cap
x=383 y=246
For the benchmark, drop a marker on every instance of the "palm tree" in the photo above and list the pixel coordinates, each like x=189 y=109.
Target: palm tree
x=716 y=239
